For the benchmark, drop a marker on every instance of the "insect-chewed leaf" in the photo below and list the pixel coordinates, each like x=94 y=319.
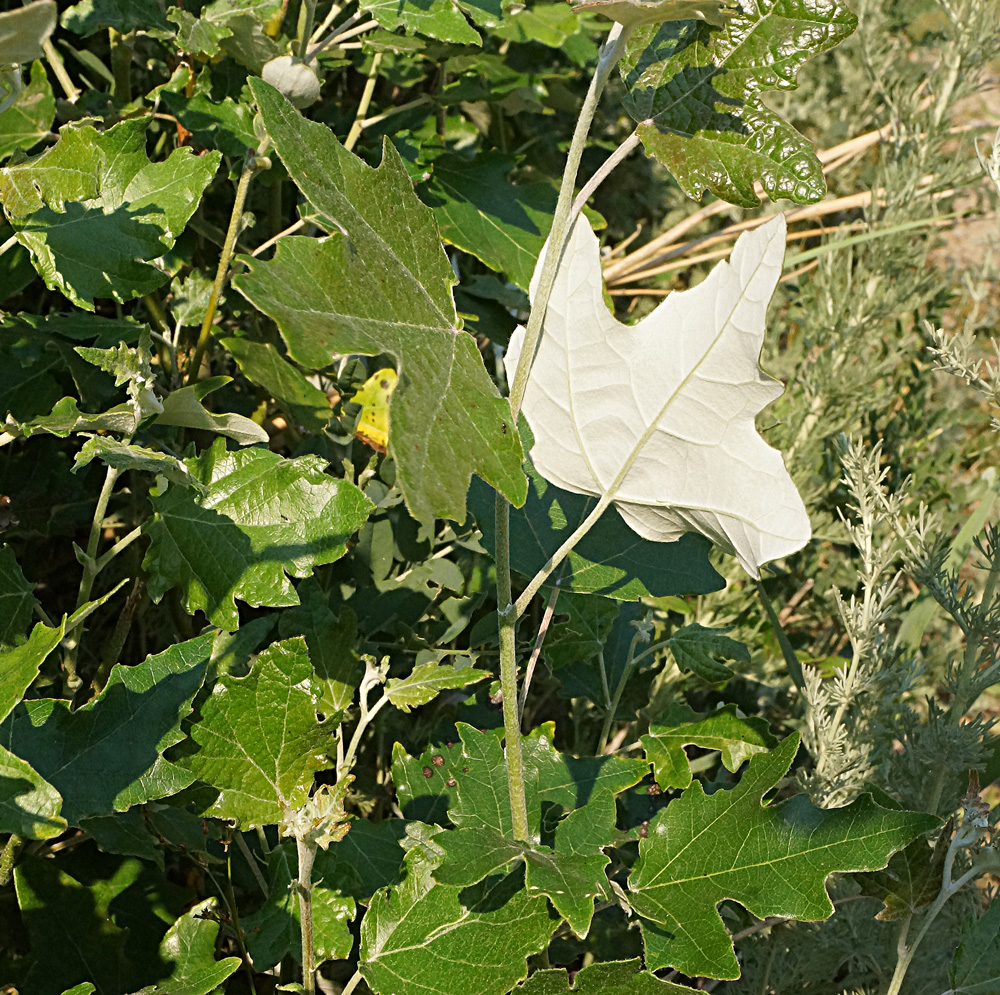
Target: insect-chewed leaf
x=374 y=395
x=658 y=418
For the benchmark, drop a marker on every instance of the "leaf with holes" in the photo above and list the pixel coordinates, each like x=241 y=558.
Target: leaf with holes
x=695 y=91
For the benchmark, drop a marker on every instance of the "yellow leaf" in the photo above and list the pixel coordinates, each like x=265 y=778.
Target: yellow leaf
x=373 y=425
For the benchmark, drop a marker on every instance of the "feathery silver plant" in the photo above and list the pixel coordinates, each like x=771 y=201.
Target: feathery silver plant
x=847 y=730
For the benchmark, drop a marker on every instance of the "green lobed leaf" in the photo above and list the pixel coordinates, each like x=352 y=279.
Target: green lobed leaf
x=481 y=212
x=611 y=559
x=28 y=120
x=581 y=626
x=65 y=418
x=426 y=785
x=107 y=755
x=332 y=646
x=623 y=977
x=274 y=931
x=29 y=805
x=552 y=779
x=128 y=457
x=302 y=401
x=736 y=736
x=976 y=967
x=17 y=602
x=19 y=664
x=264 y=518
x=911 y=879
x=189 y=947
x=695 y=91
x=773 y=859
x=381 y=283
x=259 y=739
x=571 y=881
x=426 y=938
x=62 y=913
x=427 y=681
x=368 y=858
x=441 y=19
x=88 y=16
x=95 y=188
x=226 y=125
x=701 y=651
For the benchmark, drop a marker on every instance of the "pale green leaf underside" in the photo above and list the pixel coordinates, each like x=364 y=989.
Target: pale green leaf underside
x=658 y=417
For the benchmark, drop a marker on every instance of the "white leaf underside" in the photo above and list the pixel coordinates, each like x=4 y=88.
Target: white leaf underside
x=658 y=417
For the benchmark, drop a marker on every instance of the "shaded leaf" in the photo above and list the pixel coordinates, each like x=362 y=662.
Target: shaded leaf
x=911 y=880
x=301 y=400
x=773 y=859
x=634 y=12
x=701 y=651
x=28 y=120
x=259 y=739
x=64 y=914
x=480 y=211
x=426 y=937
x=695 y=91
x=976 y=967
x=581 y=625
x=381 y=283
x=427 y=681
x=17 y=603
x=737 y=737
x=274 y=931
x=24 y=30
x=88 y=16
x=607 y=421
x=264 y=518
x=184 y=408
x=107 y=755
x=189 y=947
x=624 y=977
x=368 y=858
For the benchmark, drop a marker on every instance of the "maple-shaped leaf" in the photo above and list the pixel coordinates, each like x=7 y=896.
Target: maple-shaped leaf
x=702 y=651
x=426 y=938
x=737 y=737
x=261 y=519
x=695 y=91
x=108 y=755
x=381 y=283
x=259 y=739
x=772 y=859
x=427 y=681
x=657 y=418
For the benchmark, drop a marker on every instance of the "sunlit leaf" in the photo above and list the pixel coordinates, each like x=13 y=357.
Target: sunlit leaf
x=658 y=417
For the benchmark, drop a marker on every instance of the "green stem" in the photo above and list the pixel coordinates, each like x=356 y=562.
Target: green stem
x=558 y=556
x=56 y=64
x=121 y=65
x=366 y=100
x=90 y=567
x=252 y=862
x=787 y=650
x=622 y=681
x=307 y=854
x=561 y=220
x=250 y=166
x=7 y=856
x=309 y=9
x=352 y=984
x=509 y=613
x=513 y=752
